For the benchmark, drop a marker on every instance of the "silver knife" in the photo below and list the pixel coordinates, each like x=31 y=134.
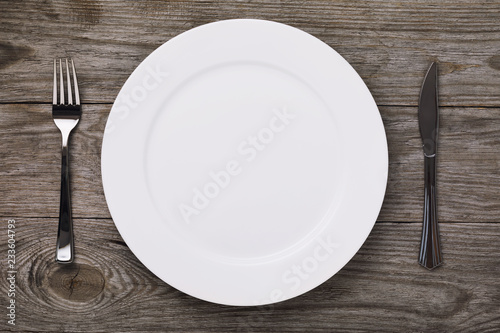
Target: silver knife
x=428 y=119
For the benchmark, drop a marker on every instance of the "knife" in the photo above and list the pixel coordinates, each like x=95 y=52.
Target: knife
x=428 y=119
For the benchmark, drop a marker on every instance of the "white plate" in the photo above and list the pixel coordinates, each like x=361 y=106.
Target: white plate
x=244 y=162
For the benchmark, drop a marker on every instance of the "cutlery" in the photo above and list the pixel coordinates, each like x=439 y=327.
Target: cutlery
x=66 y=117
x=428 y=118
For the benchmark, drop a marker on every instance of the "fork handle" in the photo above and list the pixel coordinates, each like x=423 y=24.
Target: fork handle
x=430 y=247
x=64 y=248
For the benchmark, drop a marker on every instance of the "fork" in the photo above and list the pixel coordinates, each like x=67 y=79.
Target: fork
x=66 y=117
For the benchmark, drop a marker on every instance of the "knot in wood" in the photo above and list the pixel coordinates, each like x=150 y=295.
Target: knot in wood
x=75 y=282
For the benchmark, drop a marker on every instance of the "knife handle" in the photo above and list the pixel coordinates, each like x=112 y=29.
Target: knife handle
x=430 y=246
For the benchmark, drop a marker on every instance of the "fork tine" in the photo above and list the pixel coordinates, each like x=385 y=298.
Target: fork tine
x=77 y=93
x=61 y=85
x=54 y=97
x=68 y=80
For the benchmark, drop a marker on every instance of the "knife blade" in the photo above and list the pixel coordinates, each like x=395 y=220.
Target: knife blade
x=430 y=255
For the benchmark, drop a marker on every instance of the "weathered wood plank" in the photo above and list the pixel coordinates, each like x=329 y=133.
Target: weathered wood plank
x=390 y=43
x=468 y=173
x=468 y=164
x=382 y=289
x=30 y=150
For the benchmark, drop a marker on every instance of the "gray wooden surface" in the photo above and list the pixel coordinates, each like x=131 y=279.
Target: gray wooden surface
x=389 y=43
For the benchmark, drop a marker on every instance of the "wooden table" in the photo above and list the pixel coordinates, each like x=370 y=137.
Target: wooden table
x=389 y=43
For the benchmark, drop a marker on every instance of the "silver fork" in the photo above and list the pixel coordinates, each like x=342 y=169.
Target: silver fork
x=66 y=117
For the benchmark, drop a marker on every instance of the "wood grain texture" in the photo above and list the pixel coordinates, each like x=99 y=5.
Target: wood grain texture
x=382 y=289
x=468 y=164
x=390 y=43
